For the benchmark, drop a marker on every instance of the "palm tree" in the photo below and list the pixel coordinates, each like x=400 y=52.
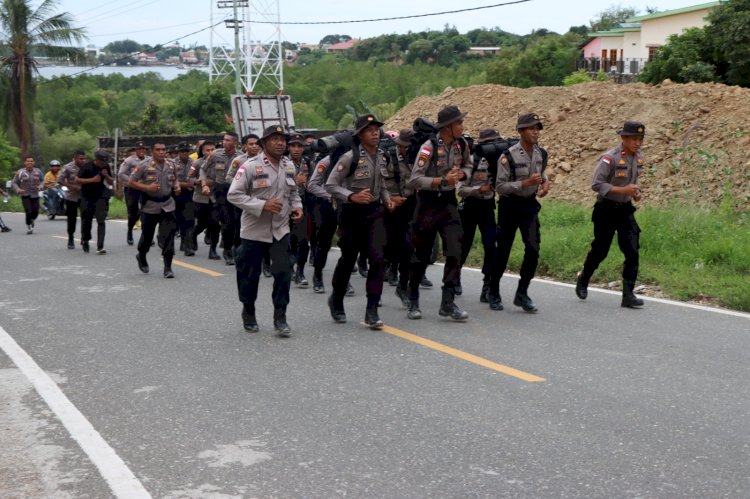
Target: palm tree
x=25 y=33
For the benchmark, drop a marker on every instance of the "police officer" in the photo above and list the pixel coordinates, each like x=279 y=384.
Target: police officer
x=185 y=207
x=617 y=185
x=399 y=249
x=157 y=178
x=356 y=180
x=132 y=197
x=213 y=178
x=265 y=189
x=441 y=163
x=67 y=178
x=521 y=177
x=94 y=178
x=27 y=183
x=250 y=149
x=205 y=213
x=299 y=240
x=324 y=221
x=477 y=209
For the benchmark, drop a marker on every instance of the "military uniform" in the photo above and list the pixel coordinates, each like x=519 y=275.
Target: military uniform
x=158 y=209
x=67 y=178
x=31 y=183
x=477 y=210
x=257 y=181
x=614 y=212
x=324 y=220
x=215 y=171
x=437 y=212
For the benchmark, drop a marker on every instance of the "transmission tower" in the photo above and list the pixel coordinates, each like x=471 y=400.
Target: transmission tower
x=242 y=49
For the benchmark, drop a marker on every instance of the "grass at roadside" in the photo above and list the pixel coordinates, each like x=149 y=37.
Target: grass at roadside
x=689 y=253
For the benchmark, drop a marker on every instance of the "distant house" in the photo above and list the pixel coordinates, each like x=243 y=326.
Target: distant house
x=147 y=59
x=632 y=44
x=338 y=48
x=189 y=57
x=483 y=50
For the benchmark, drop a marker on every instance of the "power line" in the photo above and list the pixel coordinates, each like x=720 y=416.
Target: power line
x=394 y=18
x=160 y=28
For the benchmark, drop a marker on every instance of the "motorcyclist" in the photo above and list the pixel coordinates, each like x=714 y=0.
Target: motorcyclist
x=53 y=196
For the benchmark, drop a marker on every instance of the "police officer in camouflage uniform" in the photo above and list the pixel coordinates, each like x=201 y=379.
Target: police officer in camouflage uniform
x=521 y=177
x=265 y=189
x=356 y=180
x=213 y=178
x=157 y=179
x=477 y=210
x=132 y=197
x=617 y=185
x=441 y=163
x=67 y=178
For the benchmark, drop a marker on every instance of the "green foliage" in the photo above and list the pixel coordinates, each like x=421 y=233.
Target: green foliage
x=123 y=47
x=9 y=158
x=545 y=63
x=611 y=17
x=61 y=144
x=729 y=34
x=334 y=39
x=684 y=58
x=580 y=76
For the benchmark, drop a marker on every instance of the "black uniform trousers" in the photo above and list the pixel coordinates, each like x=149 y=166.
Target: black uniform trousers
x=479 y=214
x=326 y=222
x=610 y=217
x=249 y=260
x=206 y=218
x=515 y=213
x=71 y=213
x=167 y=224
x=298 y=240
x=90 y=209
x=361 y=230
x=226 y=215
x=436 y=213
x=31 y=208
x=132 y=198
x=310 y=200
x=400 y=248
x=184 y=211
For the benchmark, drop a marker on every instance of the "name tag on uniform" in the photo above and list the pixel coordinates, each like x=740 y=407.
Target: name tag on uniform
x=260 y=183
x=362 y=174
x=219 y=166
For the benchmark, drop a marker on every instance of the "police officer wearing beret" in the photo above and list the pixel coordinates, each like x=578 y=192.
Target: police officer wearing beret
x=265 y=188
x=521 y=177
x=441 y=163
x=356 y=180
x=157 y=179
x=617 y=185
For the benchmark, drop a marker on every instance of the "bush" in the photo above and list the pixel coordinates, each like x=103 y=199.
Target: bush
x=580 y=76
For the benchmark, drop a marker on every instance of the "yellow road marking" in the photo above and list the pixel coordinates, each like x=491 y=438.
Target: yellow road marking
x=181 y=264
x=197 y=269
x=531 y=378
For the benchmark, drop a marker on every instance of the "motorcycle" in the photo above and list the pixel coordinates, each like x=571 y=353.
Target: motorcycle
x=54 y=202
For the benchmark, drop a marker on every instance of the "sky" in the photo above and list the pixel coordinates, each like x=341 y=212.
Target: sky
x=159 y=21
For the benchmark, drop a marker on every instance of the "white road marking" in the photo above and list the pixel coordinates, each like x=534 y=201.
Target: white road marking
x=118 y=476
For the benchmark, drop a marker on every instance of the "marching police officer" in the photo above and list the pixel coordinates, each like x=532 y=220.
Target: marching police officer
x=185 y=207
x=441 y=163
x=67 y=178
x=324 y=221
x=94 y=177
x=356 y=180
x=617 y=185
x=132 y=197
x=157 y=178
x=28 y=184
x=265 y=188
x=299 y=239
x=206 y=217
x=521 y=177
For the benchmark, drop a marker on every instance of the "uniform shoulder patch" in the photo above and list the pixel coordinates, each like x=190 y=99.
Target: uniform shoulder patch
x=340 y=168
x=607 y=159
x=321 y=167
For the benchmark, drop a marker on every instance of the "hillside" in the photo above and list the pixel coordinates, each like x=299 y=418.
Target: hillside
x=696 y=148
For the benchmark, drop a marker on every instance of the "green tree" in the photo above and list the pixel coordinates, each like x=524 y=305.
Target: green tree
x=729 y=32
x=611 y=17
x=8 y=158
x=26 y=32
x=545 y=63
x=122 y=47
x=334 y=39
x=420 y=50
x=684 y=58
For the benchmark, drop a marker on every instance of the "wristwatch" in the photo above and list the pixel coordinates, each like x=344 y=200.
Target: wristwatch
x=443 y=182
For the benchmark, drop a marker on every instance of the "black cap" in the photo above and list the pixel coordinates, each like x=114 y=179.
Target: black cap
x=364 y=121
x=528 y=120
x=630 y=128
x=296 y=138
x=184 y=147
x=404 y=136
x=448 y=115
x=274 y=130
x=488 y=135
x=102 y=155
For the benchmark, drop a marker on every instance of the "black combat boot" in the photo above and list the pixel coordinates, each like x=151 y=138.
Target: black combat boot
x=414 y=312
x=168 y=274
x=403 y=295
x=629 y=300
x=336 y=306
x=266 y=269
x=318 y=286
x=522 y=299
x=187 y=240
x=71 y=244
x=299 y=276
x=484 y=295
x=248 y=319
x=229 y=256
x=130 y=237
x=279 y=322
x=448 y=307
x=582 y=286
x=458 y=290
x=371 y=313
x=391 y=275
x=213 y=255
x=142 y=263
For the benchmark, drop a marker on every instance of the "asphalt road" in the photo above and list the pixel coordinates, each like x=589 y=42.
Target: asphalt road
x=583 y=399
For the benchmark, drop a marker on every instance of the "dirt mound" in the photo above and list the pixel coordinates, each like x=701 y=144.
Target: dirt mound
x=696 y=149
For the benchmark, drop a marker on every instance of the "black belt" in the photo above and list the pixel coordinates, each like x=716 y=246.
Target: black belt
x=442 y=196
x=158 y=199
x=614 y=204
